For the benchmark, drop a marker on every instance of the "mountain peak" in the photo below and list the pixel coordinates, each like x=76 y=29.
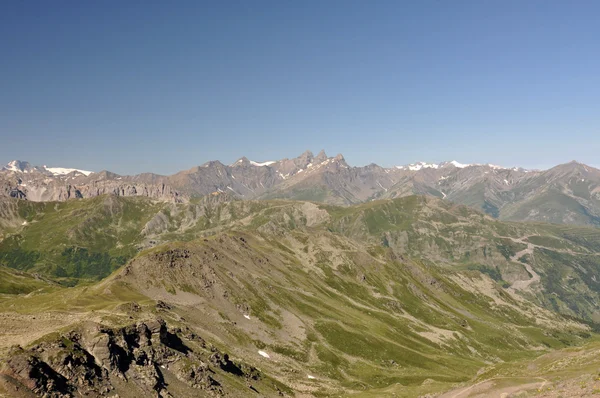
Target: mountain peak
x=20 y=166
x=307 y=155
x=321 y=157
x=572 y=167
x=244 y=161
x=241 y=162
x=17 y=166
x=210 y=163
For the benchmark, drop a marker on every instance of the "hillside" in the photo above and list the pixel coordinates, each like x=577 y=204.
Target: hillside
x=89 y=239
x=406 y=296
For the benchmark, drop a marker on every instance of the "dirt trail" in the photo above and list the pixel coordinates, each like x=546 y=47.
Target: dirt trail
x=535 y=277
x=486 y=388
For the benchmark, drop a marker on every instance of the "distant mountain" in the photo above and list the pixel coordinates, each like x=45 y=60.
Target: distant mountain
x=19 y=166
x=568 y=193
x=21 y=180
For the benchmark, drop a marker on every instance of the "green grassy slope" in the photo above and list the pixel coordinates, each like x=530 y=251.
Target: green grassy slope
x=87 y=240
x=413 y=292
x=17 y=282
x=80 y=239
x=322 y=305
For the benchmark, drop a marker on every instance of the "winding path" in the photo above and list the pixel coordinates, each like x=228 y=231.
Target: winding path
x=460 y=394
x=535 y=277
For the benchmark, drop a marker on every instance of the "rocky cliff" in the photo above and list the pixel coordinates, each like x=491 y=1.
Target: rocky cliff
x=136 y=360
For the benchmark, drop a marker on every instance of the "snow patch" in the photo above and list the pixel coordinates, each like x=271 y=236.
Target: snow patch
x=263 y=354
x=270 y=162
x=311 y=377
x=59 y=171
x=423 y=165
x=418 y=166
x=12 y=166
x=459 y=165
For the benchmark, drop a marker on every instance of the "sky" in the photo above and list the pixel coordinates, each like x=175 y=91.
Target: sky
x=134 y=86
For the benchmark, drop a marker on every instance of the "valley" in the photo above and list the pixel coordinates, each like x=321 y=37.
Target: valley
x=403 y=297
x=166 y=230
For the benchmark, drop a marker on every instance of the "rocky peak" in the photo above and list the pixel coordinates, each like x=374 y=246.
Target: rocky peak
x=20 y=166
x=321 y=157
x=106 y=175
x=212 y=163
x=339 y=158
x=306 y=157
x=241 y=162
x=573 y=168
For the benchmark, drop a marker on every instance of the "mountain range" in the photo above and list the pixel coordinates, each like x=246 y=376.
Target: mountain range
x=301 y=277
x=568 y=193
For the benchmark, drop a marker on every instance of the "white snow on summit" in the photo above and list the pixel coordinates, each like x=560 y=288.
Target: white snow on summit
x=270 y=162
x=12 y=166
x=59 y=171
x=19 y=166
x=418 y=166
x=459 y=165
x=423 y=165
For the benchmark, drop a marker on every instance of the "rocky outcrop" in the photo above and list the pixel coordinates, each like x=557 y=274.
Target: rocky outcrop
x=56 y=189
x=40 y=184
x=154 y=191
x=98 y=361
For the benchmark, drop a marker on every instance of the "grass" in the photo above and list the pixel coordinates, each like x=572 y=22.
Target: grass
x=17 y=282
x=373 y=287
x=83 y=298
x=85 y=239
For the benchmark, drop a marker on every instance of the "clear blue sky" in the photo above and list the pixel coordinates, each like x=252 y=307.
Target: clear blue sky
x=161 y=86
